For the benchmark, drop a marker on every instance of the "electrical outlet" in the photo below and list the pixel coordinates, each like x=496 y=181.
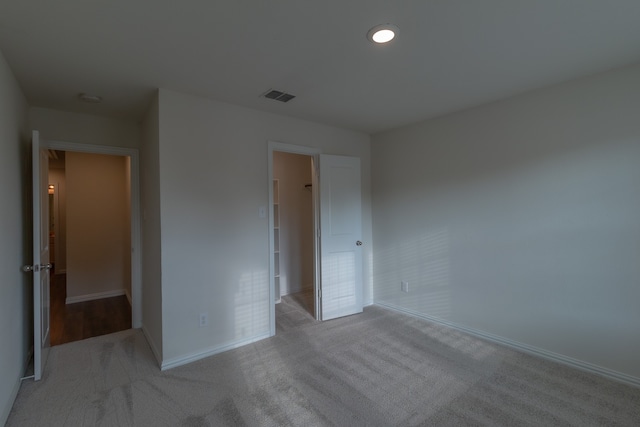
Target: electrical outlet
x=204 y=319
x=404 y=286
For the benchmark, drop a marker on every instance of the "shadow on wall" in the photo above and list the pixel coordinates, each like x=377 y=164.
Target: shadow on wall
x=424 y=261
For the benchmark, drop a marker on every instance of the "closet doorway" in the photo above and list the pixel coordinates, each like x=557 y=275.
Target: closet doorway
x=294 y=239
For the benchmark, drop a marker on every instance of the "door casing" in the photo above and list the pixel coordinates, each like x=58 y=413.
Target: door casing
x=40 y=264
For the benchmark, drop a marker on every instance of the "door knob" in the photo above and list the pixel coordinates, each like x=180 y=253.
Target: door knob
x=36 y=268
x=358 y=243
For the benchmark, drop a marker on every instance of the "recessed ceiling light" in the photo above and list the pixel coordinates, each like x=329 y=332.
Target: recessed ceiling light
x=383 y=33
x=91 y=99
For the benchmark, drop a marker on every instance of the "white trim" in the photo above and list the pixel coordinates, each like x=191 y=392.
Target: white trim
x=314 y=153
x=152 y=345
x=56 y=225
x=87 y=148
x=536 y=351
x=211 y=351
x=97 y=295
x=136 y=245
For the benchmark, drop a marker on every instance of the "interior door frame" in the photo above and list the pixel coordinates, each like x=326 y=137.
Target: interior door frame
x=314 y=153
x=41 y=265
x=136 y=247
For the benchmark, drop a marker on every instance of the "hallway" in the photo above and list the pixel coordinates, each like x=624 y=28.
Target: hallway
x=74 y=322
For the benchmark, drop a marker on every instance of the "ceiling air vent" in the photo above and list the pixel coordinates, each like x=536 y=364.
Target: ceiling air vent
x=278 y=95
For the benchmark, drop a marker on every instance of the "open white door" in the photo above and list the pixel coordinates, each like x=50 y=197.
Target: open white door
x=341 y=235
x=41 y=266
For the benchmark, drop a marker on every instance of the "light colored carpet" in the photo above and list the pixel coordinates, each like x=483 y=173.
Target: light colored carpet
x=378 y=368
x=294 y=311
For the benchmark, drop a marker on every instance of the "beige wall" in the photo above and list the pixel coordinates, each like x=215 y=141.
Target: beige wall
x=98 y=232
x=150 y=224
x=84 y=128
x=293 y=172
x=215 y=250
x=16 y=313
x=519 y=219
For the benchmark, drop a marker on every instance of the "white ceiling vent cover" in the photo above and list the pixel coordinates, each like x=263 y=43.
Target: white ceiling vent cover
x=278 y=95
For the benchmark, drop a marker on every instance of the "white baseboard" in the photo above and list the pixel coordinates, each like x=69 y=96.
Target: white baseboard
x=188 y=358
x=579 y=364
x=97 y=295
x=152 y=344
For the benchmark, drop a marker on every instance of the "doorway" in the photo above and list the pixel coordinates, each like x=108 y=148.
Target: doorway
x=90 y=239
x=293 y=231
x=337 y=245
x=293 y=225
x=99 y=222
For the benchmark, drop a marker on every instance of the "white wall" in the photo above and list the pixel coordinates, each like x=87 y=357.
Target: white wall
x=520 y=219
x=15 y=286
x=98 y=232
x=296 y=221
x=84 y=128
x=215 y=253
x=150 y=225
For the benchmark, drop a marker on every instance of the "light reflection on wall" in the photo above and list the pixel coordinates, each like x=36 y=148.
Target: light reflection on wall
x=339 y=281
x=252 y=304
x=422 y=260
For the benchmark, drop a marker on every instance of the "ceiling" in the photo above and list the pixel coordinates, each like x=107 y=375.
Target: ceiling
x=449 y=54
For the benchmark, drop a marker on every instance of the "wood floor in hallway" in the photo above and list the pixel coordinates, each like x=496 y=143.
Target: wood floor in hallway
x=73 y=322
